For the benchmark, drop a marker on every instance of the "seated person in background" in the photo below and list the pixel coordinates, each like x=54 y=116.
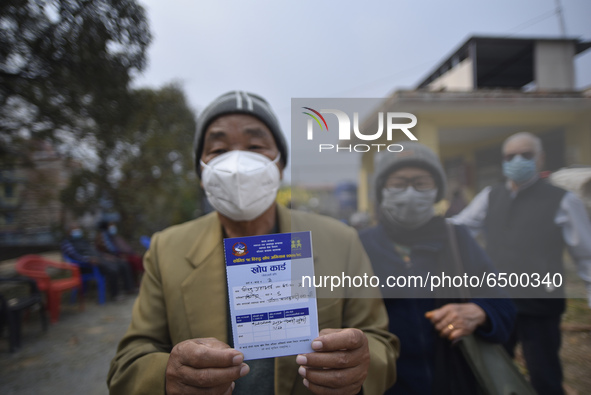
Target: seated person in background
x=77 y=247
x=109 y=241
x=410 y=240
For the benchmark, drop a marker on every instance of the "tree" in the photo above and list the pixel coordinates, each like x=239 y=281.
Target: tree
x=152 y=182
x=158 y=185
x=65 y=71
x=65 y=66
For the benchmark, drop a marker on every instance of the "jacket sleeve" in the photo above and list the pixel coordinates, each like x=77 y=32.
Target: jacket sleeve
x=501 y=317
x=69 y=250
x=140 y=363
x=369 y=314
x=495 y=302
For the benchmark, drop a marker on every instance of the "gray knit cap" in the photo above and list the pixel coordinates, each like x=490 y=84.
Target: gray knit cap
x=413 y=155
x=238 y=102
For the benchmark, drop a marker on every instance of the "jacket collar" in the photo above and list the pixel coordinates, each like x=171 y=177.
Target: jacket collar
x=382 y=238
x=204 y=290
x=208 y=237
x=284 y=217
x=523 y=187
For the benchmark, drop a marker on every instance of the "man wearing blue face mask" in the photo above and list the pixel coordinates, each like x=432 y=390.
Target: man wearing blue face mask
x=527 y=224
x=77 y=247
x=180 y=339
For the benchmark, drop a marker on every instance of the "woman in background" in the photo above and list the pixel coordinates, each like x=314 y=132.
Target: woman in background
x=410 y=240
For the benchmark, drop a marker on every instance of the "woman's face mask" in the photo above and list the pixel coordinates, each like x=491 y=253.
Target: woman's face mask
x=241 y=184
x=407 y=207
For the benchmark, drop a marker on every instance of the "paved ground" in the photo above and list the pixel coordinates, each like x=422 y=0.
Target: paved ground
x=72 y=357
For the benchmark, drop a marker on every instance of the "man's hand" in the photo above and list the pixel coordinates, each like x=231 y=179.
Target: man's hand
x=340 y=363
x=456 y=320
x=203 y=366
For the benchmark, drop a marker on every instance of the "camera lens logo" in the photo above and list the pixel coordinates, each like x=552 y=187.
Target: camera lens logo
x=316 y=119
x=392 y=121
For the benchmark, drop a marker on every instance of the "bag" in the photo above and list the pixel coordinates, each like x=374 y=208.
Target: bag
x=493 y=368
x=490 y=364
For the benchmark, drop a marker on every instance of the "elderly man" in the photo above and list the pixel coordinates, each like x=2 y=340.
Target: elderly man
x=528 y=222
x=179 y=338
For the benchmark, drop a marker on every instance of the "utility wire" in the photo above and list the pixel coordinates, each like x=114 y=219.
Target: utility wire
x=531 y=22
x=560 y=18
x=513 y=31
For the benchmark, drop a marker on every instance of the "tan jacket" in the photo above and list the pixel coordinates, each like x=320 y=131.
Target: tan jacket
x=184 y=296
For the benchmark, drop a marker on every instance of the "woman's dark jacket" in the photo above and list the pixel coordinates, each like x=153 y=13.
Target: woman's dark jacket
x=427 y=363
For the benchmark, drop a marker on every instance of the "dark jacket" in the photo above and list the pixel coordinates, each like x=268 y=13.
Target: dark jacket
x=78 y=249
x=418 y=371
x=522 y=237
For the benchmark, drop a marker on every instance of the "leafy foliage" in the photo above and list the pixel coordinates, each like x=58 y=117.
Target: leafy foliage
x=65 y=64
x=65 y=72
x=152 y=178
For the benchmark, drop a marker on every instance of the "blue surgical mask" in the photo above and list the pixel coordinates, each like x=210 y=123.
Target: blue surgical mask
x=519 y=169
x=76 y=233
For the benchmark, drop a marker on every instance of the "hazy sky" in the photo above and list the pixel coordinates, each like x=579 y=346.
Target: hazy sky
x=287 y=49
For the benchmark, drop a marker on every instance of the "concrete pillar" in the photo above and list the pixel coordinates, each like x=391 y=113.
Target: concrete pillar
x=554 y=65
x=363 y=189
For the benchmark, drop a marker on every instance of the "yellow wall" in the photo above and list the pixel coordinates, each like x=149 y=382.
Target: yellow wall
x=578 y=141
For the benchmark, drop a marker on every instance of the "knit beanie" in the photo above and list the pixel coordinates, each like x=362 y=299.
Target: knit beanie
x=238 y=102
x=413 y=155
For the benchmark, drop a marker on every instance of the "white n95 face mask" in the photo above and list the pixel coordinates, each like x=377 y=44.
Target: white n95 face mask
x=241 y=184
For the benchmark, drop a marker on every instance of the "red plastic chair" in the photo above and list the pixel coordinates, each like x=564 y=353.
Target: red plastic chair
x=35 y=267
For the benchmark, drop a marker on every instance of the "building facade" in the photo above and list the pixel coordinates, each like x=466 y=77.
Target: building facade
x=486 y=90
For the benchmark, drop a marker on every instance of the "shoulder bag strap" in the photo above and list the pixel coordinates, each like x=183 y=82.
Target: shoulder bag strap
x=456 y=257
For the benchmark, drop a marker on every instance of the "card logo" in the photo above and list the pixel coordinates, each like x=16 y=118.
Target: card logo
x=239 y=249
x=296 y=244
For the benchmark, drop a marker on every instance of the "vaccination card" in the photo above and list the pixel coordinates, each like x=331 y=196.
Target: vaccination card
x=272 y=313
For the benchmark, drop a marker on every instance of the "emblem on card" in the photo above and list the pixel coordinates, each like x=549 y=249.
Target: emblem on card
x=239 y=249
x=296 y=244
